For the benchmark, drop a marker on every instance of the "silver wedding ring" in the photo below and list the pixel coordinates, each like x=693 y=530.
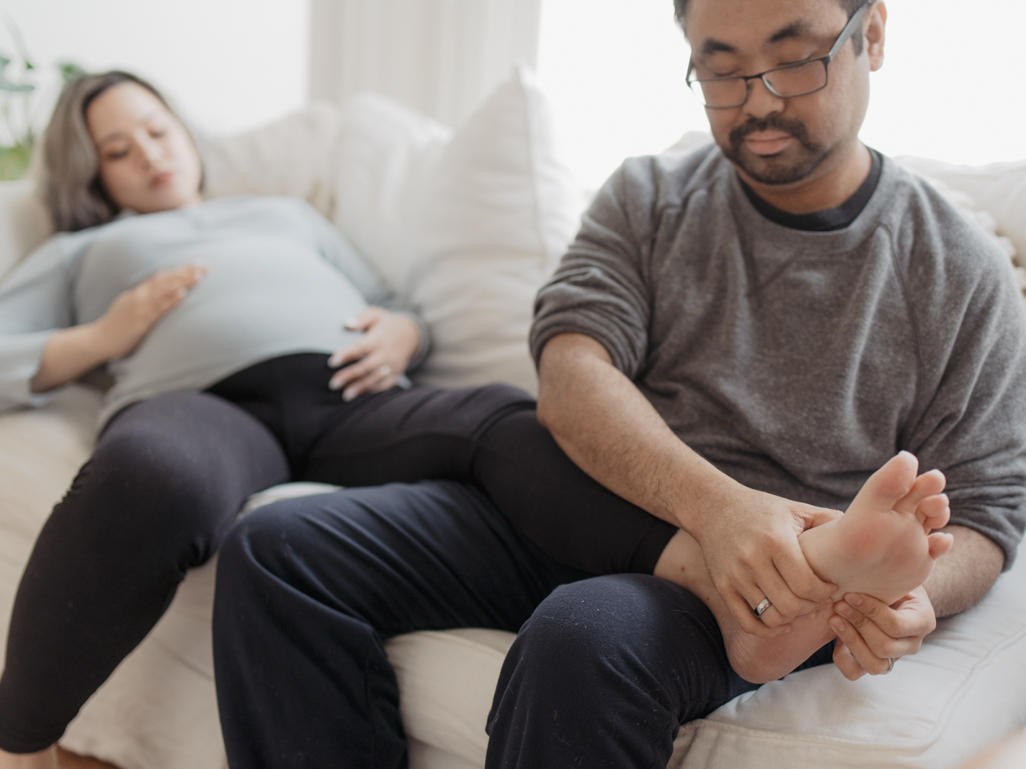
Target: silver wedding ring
x=890 y=664
x=760 y=608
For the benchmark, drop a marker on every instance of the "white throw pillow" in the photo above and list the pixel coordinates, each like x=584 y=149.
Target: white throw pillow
x=466 y=224
x=287 y=156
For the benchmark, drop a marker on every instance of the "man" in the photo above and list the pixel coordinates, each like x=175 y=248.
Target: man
x=756 y=323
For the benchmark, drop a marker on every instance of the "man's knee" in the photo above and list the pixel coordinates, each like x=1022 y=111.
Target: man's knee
x=584 y=629
x=599 y=629
x=263 y=540
x=587 y=660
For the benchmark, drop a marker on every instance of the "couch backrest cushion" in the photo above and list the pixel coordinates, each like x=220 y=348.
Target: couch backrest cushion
x=999 y=189
x=24 y=222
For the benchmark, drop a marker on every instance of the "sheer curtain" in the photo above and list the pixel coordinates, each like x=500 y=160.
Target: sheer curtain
x=440 y=57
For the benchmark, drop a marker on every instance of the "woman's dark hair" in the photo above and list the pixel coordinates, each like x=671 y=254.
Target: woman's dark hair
x=72 y=189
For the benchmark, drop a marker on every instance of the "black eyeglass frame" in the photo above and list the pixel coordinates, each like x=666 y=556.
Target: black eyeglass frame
x=842 y=38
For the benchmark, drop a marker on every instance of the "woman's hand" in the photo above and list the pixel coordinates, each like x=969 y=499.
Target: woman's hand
x=71 y=352
x=136 y=311
x=377 y=360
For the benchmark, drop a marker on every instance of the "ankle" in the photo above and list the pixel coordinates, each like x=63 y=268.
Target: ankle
x=44 y=759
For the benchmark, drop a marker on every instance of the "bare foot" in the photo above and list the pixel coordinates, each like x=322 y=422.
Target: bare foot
x=45 y=759
x=885 y=549
x=752 y=657
x=882 y=546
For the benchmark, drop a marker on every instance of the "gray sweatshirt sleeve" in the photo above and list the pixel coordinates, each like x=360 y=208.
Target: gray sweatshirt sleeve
x=970 y=418
x=599 y=288
x=340 y=253
x=35 y=301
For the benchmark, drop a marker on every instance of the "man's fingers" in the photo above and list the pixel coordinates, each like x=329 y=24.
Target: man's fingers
x=801 y=580
x=817 y=516
x=879 y=643
x=890 y=631
x=892 y=620
x=846 y=662
x=866 y=658
x=744 y=612
x=788 y=605
x=876 y=633
x=745 y=616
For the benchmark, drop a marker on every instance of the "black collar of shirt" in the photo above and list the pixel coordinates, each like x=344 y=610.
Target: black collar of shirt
x=828 y=219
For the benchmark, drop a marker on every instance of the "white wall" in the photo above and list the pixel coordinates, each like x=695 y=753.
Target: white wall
x=615 y=72
x=225 y=64
x=953 y=86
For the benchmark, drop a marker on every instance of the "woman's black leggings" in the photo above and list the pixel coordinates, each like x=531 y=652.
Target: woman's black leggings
x=169 y=475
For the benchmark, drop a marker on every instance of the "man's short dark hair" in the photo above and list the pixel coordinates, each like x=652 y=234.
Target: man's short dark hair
x=849 y=6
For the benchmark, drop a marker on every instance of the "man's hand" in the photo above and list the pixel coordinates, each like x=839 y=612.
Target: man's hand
x=379 y=358
x=871 y=635
x=750 y=541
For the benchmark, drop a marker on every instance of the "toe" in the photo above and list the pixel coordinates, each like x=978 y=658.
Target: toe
x=934 y=512
x=893 y=481
x=925 y=486
x=939 y=543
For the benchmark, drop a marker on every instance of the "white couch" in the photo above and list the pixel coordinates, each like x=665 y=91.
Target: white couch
x=466 y=224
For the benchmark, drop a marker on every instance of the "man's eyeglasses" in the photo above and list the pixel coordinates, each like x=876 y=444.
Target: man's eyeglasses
x=790 y=80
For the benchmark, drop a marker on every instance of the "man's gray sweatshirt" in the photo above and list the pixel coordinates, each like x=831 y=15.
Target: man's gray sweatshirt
x=798 y=362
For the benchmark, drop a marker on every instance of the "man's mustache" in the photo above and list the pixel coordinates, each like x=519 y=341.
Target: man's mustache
x=795 y=128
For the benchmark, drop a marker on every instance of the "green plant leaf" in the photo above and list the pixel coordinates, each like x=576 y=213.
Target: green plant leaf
x=14 y=161
x=69 y=71
x=9 y=85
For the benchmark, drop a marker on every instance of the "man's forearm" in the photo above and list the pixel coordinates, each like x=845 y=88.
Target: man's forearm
x=964 y=575
x=749 y=539
x=608 y=428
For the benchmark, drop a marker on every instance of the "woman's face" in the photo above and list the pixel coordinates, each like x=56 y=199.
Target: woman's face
x=148 y=162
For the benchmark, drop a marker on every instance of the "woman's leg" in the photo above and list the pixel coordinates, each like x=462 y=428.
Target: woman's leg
x=308 y=590
x=490 y=436
x=162 y=488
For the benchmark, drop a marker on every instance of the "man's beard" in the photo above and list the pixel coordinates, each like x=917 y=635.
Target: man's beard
x=769 y=170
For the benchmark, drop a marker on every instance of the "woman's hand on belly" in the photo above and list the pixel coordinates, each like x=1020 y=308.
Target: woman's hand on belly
x=379 y=358
x=136 y=311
